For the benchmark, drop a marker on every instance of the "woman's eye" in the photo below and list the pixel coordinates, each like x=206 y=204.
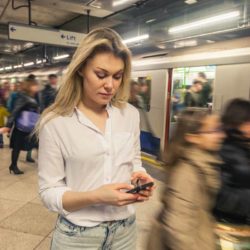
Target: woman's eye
x=118 y=77
x=100 y=75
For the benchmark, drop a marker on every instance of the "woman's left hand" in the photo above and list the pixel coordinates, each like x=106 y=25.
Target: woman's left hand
x=144 y=178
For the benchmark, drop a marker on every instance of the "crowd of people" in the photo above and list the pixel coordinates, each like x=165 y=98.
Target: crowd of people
x=20 y=106
x=89 y=155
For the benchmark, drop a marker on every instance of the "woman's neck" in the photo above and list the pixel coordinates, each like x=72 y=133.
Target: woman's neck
x=90 y=106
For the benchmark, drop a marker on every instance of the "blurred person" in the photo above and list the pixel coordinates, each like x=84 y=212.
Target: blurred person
x=48 y=94
x=135 y=99
x=4 y=93
x=89 y=149
x=13 y=96
x=22 y=121
x=206 y=92
x=3 y=115
x=233 y=202
x=192 y=182
x=193 y=95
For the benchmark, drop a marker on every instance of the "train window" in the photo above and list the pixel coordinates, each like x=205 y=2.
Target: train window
x=191 y=87
x=140 y=92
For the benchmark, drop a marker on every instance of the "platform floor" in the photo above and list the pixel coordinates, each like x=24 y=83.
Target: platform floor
x=25 y=224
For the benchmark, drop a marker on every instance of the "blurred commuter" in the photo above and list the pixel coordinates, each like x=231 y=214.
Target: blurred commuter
x=89 y=149
x=186 y=222
x=22 y=121
x=3 y=115
x=4 y=93
x=13 y=96
x=48 y=94
x=206 y=92
x=193 y=95
x=233 y=203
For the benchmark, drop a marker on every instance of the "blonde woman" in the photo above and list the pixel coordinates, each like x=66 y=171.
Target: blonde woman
x=89 y=149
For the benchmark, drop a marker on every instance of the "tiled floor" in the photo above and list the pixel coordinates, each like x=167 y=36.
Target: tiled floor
x=25 y=224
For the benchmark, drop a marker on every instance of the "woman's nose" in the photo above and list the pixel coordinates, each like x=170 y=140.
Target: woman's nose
x=108 y=83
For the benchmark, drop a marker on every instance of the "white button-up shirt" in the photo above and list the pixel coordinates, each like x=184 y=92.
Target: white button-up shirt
x=75 y=155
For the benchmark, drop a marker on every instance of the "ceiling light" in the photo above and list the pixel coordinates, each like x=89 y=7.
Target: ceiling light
x=150 y=20
x=28 y=45
x=18 y=66
x=210 y=41
x=61 y=57
x=1 y=69
x=8 y=68
x=40 y=61
x=136 y=39
x=190 y=1
x=119 y=2
x=198 y=24
x=28 y=64
x=187 y=43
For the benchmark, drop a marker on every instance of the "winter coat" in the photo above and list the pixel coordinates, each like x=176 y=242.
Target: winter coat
x=47 y=97
x=21 y=140
x=233 y=202
x=186 y=220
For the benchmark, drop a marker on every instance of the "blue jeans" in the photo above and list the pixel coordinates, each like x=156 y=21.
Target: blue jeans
x=113 y=235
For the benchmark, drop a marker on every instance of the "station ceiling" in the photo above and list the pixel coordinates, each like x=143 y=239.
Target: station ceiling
x=129 y=18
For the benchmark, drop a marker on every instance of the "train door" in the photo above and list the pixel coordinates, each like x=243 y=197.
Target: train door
x=149 y=95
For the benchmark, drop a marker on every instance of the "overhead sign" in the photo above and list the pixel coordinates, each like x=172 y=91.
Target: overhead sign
x=41 y=35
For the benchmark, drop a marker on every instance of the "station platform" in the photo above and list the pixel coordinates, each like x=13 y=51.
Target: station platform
x=25 y=224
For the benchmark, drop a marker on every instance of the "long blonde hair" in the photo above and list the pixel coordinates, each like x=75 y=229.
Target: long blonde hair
x=71 y=90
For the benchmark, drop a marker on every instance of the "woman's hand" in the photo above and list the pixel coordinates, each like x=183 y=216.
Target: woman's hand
x=115 y=194
x=144 y=178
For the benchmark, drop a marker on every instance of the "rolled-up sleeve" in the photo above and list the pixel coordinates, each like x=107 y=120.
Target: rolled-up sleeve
x=137 y=164
x=51 y=170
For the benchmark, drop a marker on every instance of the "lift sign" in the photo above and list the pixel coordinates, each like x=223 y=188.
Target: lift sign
x=46 y=36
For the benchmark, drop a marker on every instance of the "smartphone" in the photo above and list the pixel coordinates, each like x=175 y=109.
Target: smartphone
x=140 y=188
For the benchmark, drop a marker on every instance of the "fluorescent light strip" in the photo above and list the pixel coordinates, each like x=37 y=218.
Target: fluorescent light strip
x=1 y=69
x=18 y=66
x=120 y=2
x=9 y=67
x=136 y=39
x=61 y=57
x=28 y=64
x=40 y=61
x=198 y=24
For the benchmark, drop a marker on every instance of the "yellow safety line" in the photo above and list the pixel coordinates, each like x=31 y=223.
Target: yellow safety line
x=152 y=161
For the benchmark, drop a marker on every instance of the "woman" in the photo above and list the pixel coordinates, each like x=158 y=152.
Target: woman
x=22 y=121
x=233 y=203
x=89 y=150
x=185 y=221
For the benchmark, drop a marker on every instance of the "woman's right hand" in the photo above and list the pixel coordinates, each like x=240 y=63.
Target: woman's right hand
x=112 y=194
x=4 y=130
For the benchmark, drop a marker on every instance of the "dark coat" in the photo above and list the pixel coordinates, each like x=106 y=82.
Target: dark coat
x=233 y=203
x=47 y=97
x=21 y=140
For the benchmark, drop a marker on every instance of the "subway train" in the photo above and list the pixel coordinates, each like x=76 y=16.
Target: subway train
x=226 y=65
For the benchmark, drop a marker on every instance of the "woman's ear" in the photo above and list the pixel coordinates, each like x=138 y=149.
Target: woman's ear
x=192 y=138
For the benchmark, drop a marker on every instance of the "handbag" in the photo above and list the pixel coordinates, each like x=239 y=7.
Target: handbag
x=26 y=121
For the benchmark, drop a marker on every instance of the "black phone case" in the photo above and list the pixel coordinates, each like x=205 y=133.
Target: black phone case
x=140 y=188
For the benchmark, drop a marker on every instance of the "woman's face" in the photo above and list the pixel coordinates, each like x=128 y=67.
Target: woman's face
x=245 y=129
x=102 y=77
x=210 y=135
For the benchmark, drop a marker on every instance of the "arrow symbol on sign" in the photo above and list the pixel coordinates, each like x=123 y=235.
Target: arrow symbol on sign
x=62 y=36
x=13 y=29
